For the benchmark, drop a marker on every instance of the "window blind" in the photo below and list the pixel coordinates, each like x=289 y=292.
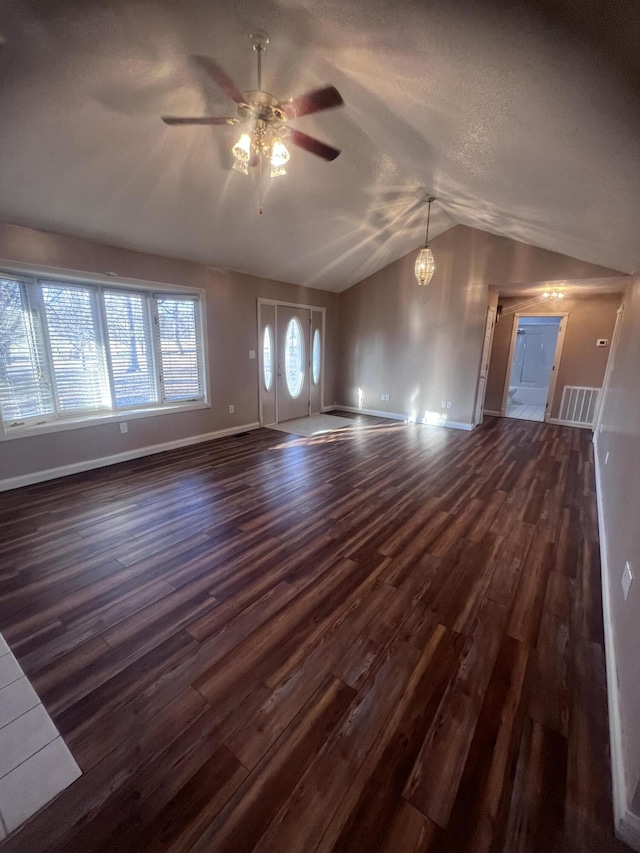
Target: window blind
x=25 y=385
x=75 y=348
x=180 y=348
x=130 y=348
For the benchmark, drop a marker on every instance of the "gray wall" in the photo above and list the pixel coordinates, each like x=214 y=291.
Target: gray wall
x=422 y=345
x=620 y=495
x=231 y=300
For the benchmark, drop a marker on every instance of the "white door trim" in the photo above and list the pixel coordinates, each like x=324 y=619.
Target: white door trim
x=607 y=373
x=556 y=358
x=487 y=344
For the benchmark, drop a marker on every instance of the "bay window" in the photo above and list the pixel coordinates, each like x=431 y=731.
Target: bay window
x=75 y=351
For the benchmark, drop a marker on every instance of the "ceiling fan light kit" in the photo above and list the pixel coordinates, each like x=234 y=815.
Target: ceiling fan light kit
x=264 y=118
x=425 y=262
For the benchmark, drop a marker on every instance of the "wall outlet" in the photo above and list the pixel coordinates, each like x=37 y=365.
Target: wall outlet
x=252 y=353
x=384 y=398
x=232 y=409
x=449 y=404
x=606 y=458
x=602 y=342
x=124 y=428
x=444 y=404
x=627 y=579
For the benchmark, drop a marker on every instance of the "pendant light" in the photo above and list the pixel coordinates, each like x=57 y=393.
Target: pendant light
x=425 y=263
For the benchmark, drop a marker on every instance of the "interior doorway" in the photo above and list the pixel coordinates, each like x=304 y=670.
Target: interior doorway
x=291 y=361
x=536 y=346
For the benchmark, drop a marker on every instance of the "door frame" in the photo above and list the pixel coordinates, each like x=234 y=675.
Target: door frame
x=597 y=420
x=284 y=304
x=485 y=358
x=557 y=356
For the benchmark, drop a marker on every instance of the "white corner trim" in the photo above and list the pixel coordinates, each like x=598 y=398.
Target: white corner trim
x=103 y=461
x=395 y=416
x=626 y=823
x=558 y=422
x=492 y=413
x=452 y=425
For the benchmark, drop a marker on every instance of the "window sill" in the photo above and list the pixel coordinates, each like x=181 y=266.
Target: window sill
x=98 y=420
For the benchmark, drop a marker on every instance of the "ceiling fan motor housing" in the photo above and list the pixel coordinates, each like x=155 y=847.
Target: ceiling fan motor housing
x=261 y=106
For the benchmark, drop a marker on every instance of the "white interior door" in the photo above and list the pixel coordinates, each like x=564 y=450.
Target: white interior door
x=484 y=365
x=293 y=341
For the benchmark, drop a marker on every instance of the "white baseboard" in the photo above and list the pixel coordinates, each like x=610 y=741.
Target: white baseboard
x=492 y=414
x=374 y=412
x=558 y=422
x=626 y=823
x=394 y=416
x=329 y=408
x=103 y=461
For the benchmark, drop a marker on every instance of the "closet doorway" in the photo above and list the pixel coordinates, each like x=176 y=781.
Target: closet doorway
x=534 y=356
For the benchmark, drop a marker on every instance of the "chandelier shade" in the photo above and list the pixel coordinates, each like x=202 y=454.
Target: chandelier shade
x=425 y=266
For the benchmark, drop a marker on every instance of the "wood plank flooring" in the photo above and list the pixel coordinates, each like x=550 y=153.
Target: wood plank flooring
x=386 y=638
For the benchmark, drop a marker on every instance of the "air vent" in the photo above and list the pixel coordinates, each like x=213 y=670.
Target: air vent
x=578 y=405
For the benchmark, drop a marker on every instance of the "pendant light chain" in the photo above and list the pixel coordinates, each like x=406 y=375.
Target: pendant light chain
x=426 y=236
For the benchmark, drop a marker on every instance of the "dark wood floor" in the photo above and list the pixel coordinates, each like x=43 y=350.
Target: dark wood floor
x=381 y=639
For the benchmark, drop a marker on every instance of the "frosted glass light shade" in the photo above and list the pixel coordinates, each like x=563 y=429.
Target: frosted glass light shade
x=279 y=158
x=425 y=266
x=242 y=149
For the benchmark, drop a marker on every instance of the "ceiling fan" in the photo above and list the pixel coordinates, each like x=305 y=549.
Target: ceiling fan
x=264 y=117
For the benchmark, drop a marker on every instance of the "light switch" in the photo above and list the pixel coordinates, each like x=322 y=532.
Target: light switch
x=252 y=353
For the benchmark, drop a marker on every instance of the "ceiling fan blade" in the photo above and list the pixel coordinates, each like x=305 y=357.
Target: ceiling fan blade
x=174 y=120
x=213 y=70
x=313 y=146
x=314 y=102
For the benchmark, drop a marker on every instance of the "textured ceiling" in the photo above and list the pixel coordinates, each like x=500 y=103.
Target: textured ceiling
x=523 y=119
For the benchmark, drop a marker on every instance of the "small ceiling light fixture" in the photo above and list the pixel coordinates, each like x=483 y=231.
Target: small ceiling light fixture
x=425 y=263
x=552 y=294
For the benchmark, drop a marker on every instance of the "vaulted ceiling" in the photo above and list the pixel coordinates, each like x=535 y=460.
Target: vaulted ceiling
x=522 y=118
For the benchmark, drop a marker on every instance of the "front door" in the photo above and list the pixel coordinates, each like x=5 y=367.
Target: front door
x=293 y=340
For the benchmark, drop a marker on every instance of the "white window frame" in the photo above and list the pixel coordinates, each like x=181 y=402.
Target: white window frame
x=31 y=275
